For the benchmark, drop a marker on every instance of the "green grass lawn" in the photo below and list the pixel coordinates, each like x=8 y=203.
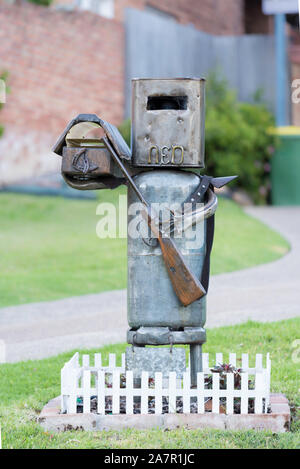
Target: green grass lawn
x=49 y=248
x=26 y=387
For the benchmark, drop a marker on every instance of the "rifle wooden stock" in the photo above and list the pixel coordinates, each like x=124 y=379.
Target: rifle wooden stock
x=186 y=286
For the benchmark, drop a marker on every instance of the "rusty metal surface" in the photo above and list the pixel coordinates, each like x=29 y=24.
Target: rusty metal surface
x=110 y=130
x=86 y=164
x=168 y=122
x=89 y=162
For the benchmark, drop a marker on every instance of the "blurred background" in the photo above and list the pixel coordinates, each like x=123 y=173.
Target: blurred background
x=60 y=58
x=61 y=287
x=63 y=57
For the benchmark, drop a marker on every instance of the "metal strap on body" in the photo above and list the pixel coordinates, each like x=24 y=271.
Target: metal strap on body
x=194 y=198
x=210 y=230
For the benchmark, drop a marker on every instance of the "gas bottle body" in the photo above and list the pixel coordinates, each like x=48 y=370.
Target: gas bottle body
x=152 y=302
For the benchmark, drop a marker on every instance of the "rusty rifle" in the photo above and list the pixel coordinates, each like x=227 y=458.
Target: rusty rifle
x=186 y=286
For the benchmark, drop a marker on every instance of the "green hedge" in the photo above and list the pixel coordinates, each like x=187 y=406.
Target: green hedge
x=237 y=139
x=45 y=3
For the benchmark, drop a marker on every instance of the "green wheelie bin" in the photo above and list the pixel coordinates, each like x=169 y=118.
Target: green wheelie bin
x=285 y=172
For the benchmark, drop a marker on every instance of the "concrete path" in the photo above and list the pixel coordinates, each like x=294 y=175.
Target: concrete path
x=266 y=293
x=269 y=292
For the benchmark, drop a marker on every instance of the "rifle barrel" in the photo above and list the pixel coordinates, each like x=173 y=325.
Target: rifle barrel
x=124 y=170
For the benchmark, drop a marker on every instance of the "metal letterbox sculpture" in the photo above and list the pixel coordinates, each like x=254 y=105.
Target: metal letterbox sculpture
x=168 y=259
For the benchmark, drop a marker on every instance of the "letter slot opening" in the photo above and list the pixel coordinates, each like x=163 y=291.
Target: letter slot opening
x=176 y=103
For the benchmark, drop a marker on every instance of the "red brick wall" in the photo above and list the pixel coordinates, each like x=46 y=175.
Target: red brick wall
x=60 y=63
x=211 y=16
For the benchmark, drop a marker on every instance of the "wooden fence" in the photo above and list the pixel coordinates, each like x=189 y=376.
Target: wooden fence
x=114 y=390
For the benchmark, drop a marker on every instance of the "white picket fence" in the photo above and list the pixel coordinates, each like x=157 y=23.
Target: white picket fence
x=80 y=383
